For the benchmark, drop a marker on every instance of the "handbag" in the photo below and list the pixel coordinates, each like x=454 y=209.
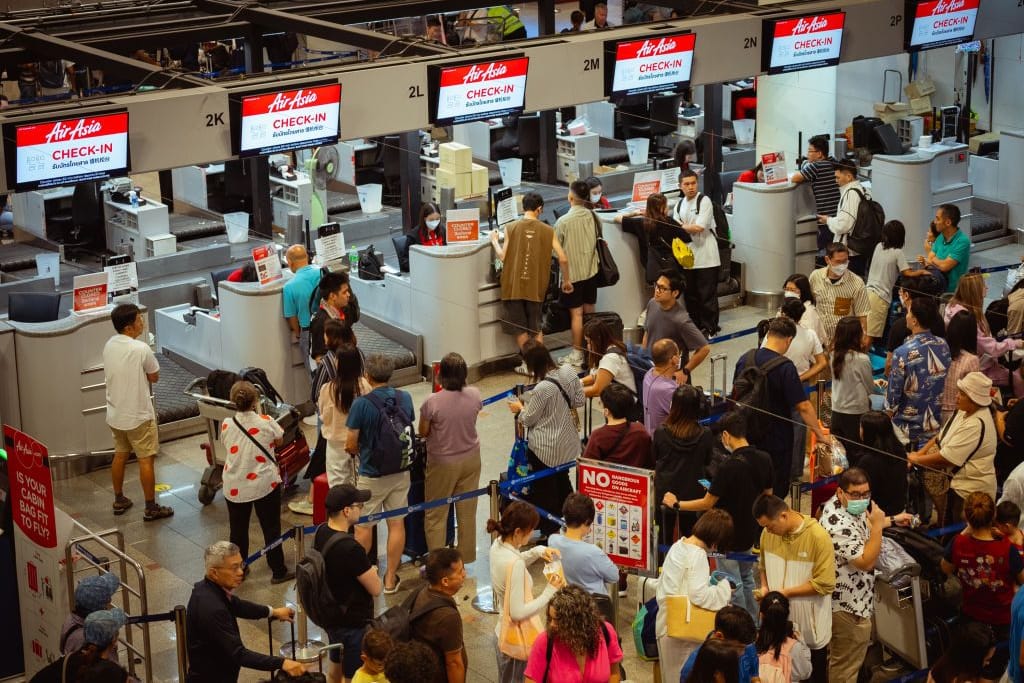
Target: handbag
x=370 y=265
x=687 y=621
x=568 y=404
x=937 y=484
x=681 y=251
x=515 y=638
x=607 y=269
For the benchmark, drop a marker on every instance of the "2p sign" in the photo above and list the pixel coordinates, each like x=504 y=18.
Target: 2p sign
x=28 y=469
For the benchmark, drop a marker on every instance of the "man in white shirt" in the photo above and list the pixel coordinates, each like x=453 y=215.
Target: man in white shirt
x=851 y=192
x=701 y=293
x=600 y=20
x=129 y=368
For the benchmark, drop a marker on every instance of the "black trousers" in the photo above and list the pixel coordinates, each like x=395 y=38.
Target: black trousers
x=846 y=427
x=819 y=665
x=701 y=297
x=859 y=265
x=548 y=493
x=268 y=512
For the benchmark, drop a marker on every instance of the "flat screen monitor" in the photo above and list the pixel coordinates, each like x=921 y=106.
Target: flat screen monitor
x=656 y=64
x=805 y=42
x=474 y=91
x=938 y=23
x=66 y=151
x=283 y=120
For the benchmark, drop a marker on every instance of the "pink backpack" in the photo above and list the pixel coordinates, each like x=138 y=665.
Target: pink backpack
x=777 y=670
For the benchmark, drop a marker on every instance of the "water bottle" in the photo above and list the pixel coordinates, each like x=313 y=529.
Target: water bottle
x=133 y=199
x=353 y=261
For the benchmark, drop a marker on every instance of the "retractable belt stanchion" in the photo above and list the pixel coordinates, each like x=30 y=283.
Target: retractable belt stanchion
x=181 y=641
x=301 y=649
x=484 y=600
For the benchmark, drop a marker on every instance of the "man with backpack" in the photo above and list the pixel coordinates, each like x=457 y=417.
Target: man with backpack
x=851 y=194
x=380 y=432
x=352 y=580
x=768 y=385
x=695 y=213
x=437 y=622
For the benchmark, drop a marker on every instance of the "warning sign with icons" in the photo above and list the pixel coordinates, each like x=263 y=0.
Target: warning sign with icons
x=623 y=502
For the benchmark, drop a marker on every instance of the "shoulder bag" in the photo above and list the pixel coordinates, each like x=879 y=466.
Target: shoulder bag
x=607 y=270
x=568 y=404
x=515 y=638
x=253 y=439
x=938 y=483
x=685 y=620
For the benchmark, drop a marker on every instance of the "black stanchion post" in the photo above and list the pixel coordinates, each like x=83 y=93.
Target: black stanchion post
x=181 y=642
x=484 y=600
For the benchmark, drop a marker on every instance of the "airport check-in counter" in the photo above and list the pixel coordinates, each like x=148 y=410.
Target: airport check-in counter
x=630 y=295
x=912 y=186
x=774 y=228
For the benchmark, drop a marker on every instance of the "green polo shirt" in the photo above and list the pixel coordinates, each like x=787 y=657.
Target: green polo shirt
x=959 y=248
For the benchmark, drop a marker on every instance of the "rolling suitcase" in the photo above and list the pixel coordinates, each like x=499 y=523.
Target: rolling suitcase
x=415 y=530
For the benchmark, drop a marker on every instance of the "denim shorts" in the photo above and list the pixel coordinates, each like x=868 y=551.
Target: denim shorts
x=352 y=638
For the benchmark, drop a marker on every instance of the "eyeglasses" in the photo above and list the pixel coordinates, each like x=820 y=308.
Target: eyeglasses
x=358 y=506
x=858 y=495
x=661 y=288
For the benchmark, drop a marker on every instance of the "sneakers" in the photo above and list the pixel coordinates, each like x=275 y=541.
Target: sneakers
x=301 y=507
x=154 y=512
x=575 y=357
x=521 y=369
x=283 y=578
x=309 y=420
x=121 y=504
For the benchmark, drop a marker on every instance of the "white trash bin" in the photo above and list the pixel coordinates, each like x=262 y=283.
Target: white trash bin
x=744 y=129
x=237 y=224
x=637 y=149
x=511 y=172
x=370 y=197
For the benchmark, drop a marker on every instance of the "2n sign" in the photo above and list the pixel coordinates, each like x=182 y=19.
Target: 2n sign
x=596 y=478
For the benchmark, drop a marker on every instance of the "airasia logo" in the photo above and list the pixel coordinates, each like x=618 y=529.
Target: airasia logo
x=814 y=25
x=944 y=6
x=651 y=49
x=62 y=132
x=493 y=70
x=282 y=102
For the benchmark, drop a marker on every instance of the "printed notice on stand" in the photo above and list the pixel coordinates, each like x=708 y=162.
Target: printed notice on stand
x=462 y=225
x=506 y=206
x=623 y=524
x=123 y=283
x=90 y=293
x=645 y=184
x=330 y=247
x=774 y=166
x=268 y=264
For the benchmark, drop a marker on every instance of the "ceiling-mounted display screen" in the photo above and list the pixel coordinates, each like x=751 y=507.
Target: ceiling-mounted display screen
x=464 y=92
x=805 y=42
x=656 y=64
x=66 y=151
x=937 y=23
x=283 y=120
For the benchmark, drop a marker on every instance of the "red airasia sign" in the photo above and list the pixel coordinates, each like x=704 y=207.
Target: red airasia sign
x=28 y=469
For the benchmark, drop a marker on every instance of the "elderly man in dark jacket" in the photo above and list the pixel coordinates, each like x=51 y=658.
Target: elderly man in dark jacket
x=215 y=650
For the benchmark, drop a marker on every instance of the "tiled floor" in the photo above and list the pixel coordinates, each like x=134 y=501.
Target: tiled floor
x=171 y=550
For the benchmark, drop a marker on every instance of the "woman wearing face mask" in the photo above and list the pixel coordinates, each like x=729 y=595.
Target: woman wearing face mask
x=797 y=286
x=597 y=197
x=428 y=231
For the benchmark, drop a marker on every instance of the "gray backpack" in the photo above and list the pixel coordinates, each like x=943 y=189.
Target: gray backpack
x=314 y=592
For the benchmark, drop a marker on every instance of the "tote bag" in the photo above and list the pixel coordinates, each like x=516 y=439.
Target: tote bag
x=516 y=637
x=687 y=621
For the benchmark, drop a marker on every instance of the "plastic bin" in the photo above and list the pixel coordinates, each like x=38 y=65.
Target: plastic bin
x=511 y=172
x=370 y=197
x=744 y=129
x=637 y=149
x=237 y=224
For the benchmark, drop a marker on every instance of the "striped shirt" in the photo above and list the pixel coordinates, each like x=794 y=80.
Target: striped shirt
x=846 y=296
x=823 y=184
x=552 y=434
x=578 y=235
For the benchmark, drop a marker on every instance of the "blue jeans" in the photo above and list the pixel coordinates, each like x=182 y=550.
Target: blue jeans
x=743 y=596
x=352 y=638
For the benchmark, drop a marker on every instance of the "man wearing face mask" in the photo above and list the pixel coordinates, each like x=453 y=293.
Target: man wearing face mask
x=855 y=525
x=839 y=293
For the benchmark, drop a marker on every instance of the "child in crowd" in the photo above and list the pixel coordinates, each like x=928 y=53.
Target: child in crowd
x=376 y=646
x=734 y=628
x=781 y=654
x=1008 y=523
x=887 y=263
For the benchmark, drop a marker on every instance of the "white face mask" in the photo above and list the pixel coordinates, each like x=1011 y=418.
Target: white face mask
x=839 y=268
x=790 y=295
x=433 y=224
x=595 y=196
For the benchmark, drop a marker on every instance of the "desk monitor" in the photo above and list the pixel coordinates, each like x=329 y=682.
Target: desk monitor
x=938 y=23
x=53 y=153
x=475 y=91
x=805 y=42
x=267 y=122
x=660 y=63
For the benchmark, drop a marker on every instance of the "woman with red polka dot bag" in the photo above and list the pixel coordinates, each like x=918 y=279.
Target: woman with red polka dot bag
x=252 y=479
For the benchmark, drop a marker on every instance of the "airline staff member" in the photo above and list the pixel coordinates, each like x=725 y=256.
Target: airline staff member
x=428 y=231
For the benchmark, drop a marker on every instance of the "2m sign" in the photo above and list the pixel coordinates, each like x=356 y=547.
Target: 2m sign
x=594 y=63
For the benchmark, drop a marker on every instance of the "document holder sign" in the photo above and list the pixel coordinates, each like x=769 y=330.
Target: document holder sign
x=462 y=225
x=90 y=293
x=268 y=265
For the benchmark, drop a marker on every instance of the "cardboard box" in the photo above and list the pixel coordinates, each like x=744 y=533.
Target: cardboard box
x=921 y=105
x=456 y=157
x=976 y=140
x=920 y=88
x=462 y=182
x=479 y=179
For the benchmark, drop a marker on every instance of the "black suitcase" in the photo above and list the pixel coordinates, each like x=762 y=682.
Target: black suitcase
x=609 y=318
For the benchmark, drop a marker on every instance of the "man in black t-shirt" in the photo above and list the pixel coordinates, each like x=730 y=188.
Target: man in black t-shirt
x=742 y=477
x=353 y=580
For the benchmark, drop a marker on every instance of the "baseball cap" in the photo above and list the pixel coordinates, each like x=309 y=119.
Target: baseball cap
x=94 y=592
x=343 y=495
x=101 y=626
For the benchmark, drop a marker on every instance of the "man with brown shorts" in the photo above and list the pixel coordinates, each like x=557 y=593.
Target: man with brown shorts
x=129 y=368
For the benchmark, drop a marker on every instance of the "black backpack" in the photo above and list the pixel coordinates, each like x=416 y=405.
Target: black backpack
x=397 y=621
x=750 y=391
x=219 y=383
x=258 y=377
x=638 y=365
x=720 y=217
x=867 y=228
x=395 y=445
x=312 y=587
x=50 y=73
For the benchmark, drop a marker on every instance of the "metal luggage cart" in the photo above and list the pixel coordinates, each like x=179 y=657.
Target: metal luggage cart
x=214 y=411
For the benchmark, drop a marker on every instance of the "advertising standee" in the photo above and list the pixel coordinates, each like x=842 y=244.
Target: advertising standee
x=623 y=521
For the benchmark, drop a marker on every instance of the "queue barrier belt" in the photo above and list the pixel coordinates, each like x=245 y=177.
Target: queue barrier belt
x=150 y=618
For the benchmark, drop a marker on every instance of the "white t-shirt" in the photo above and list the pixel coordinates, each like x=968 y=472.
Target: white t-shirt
x=886 y=266
x=705 y=243
x=126 y=362
x=812 y=321
x=804 y=347
x=617 y=364
x=248 y=473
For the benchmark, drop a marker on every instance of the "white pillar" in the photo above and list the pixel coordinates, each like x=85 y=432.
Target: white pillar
x=804 y=101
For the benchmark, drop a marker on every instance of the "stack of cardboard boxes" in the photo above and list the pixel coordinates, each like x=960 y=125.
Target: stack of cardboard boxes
x=458 y=171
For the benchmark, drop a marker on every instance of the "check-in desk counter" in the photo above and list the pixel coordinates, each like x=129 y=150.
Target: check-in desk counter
x=774 y=228
x=250 y=331
x=910 y=187
x=56 y=369
x=630 y=295
x=195 y=185
x=447 y=298
x=31 y=208
x=146 y=227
